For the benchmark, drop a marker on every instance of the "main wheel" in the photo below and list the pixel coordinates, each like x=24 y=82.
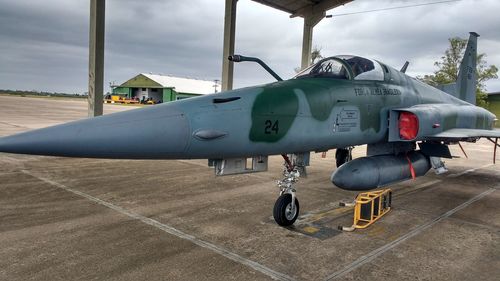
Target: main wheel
x=283 y=212
x=342 y=156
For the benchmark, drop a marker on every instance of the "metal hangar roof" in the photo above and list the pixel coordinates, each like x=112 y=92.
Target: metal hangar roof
x=184 y=85
x=301 y=7
x=179 y=84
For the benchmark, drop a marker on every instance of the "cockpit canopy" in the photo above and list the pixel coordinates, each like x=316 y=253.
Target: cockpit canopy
x=344 y=67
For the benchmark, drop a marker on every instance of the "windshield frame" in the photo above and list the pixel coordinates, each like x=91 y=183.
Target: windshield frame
x=305 y=73
x=377 y=73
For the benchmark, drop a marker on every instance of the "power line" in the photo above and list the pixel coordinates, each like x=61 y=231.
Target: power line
x=392 y=8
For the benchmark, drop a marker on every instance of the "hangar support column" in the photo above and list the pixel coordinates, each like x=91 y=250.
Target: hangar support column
x=311 y=11
x=310 y=20
x=96 y=58
x=228 y=48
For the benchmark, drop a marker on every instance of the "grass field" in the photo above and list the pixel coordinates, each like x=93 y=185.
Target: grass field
x=35 y=94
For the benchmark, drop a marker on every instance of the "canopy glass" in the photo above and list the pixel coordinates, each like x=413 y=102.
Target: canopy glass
x=344 y=67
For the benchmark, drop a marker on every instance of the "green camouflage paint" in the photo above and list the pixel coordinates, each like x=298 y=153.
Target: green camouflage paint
x=271 y=126
x=375 y=96
x=273 y=113
x=320 y=98
x=481 y=122
x=450 y=121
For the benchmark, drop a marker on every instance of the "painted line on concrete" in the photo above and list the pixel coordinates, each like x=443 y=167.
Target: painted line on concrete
x=469 y=170
x=9 y=174
x=475 y=224
x=14 y=125
x=171 y=230
x=195 y=163
x=9 y=159
x=426 y=184
x=381 y=250
x=415 y=189
x=368 y=258
x=313 y=217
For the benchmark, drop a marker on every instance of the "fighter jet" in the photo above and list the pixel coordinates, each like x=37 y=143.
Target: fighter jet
x=338 y=103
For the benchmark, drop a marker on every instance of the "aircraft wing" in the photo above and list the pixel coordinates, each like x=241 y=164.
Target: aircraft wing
x=461 y=133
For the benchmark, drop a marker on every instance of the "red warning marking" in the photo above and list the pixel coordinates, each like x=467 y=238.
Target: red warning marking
x=412 y=170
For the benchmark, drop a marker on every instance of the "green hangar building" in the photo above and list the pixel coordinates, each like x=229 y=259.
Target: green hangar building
x=163 y=88
x=494 y=105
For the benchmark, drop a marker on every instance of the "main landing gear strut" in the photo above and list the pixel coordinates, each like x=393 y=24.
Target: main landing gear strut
x=343 y=155
x=286 y=208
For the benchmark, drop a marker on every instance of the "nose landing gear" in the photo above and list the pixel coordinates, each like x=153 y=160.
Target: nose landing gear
x=286 y=208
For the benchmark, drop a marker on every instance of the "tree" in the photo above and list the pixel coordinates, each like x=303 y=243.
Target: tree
x=315 y=55
x=449 y=65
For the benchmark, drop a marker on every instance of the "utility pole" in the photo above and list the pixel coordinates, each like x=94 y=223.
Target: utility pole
x=216 y=85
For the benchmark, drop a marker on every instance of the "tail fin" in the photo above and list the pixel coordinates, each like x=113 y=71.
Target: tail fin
x=467 y=80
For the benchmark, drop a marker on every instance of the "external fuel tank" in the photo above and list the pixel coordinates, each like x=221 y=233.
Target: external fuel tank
x=376 y=171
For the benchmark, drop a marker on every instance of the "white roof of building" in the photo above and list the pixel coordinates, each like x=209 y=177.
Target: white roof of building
x=183 y=85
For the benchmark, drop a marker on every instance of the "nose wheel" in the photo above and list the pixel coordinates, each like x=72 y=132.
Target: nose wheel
x=285 y=213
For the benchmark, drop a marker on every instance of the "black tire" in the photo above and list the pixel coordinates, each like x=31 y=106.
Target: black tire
x=342 y=156
x=282 y=213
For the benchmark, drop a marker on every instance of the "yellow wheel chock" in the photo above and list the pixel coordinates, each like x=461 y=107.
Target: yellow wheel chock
x=369 y=207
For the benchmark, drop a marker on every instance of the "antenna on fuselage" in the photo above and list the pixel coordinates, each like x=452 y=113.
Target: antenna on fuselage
x=405 y=66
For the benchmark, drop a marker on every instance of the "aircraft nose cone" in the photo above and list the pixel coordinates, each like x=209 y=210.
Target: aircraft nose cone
x=158 y=132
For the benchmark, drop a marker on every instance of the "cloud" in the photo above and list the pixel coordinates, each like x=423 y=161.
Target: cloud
x=45 y=43
x=418 y=34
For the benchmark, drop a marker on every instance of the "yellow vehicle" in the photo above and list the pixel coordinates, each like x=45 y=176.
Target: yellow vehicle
x=131 y=101
x=120 y=99
x=114 y=99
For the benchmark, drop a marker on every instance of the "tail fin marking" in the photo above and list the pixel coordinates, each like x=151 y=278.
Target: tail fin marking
x=467 y=80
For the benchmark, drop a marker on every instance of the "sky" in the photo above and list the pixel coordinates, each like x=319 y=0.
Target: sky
x=44 y=44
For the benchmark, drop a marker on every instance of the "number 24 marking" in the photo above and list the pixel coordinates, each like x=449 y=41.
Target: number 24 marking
x=271 y=127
